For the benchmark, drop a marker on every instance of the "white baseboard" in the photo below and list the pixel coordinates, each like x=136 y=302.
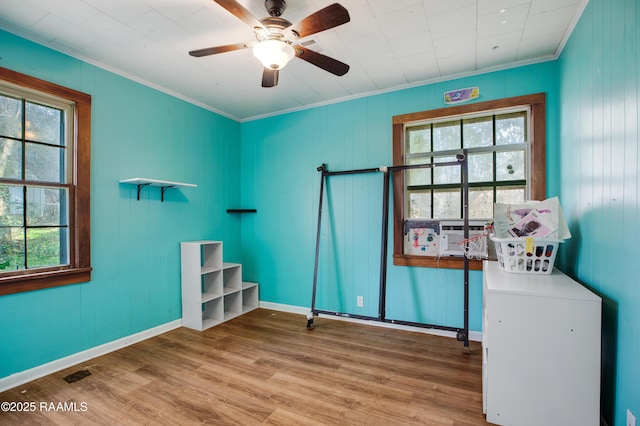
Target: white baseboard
x=475 y=336
x=26 y=376
x=302 y=310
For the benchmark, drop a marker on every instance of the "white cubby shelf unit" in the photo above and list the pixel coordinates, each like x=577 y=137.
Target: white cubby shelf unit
x=212 y=290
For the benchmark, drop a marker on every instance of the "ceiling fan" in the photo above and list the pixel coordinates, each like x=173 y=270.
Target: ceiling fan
x=277 y=38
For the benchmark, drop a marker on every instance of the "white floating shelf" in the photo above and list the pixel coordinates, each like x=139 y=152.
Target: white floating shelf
x=162 y=184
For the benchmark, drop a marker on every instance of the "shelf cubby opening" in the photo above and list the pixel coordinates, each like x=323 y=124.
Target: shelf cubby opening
x=212 y=312
x=232 y=305
x=211 y=286
x=232 y=275
x=211 y=256
x=250 y=299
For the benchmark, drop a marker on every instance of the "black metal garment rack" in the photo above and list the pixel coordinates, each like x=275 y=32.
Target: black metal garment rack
x=462 y=333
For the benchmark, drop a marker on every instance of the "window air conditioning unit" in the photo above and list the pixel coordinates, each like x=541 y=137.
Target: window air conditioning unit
x=452 y=232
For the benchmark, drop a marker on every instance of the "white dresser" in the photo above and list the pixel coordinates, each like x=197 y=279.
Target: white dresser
x=541 y=349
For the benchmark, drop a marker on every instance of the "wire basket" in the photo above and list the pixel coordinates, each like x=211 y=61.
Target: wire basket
x=526 y=255
x=475 y=247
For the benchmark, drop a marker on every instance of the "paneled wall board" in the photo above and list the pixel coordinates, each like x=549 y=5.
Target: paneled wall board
x=599 y=78
x=136 y=131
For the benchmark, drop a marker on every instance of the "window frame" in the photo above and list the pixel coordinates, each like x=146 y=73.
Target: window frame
x=79 y=268
x=537 y=164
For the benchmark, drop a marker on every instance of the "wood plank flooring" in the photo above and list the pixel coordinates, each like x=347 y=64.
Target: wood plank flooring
x=265 y=367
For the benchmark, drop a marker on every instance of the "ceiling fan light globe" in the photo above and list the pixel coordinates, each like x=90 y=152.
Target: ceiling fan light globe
x=274 y=54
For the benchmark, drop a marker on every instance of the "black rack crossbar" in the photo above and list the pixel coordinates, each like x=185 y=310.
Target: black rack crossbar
x=351 y=172
x=423 y=166
x=345 y=315
x=387 y=320
x=424 y=325
x=461 y=160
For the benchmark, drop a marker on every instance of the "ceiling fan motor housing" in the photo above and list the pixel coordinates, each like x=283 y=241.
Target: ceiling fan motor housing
x=275 y=7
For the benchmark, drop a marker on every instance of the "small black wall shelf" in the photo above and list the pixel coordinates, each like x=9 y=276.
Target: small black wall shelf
x=162 y=184
x=242 y=211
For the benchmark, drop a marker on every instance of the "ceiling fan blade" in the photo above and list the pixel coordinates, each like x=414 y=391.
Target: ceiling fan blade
x=334 y=66
x=237 y=10
x=269 y=78
x=324 y=19
x=220 y=49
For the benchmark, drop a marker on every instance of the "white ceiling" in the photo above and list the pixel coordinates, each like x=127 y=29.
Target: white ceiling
x=388 y=44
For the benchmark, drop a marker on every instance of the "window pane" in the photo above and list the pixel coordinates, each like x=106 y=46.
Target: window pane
x=446 y=136
x=46 y=247
x=447 y=204
x=511 y=128
x=43 y=124
x=510 y=195
x=420 y=205
x=446 y=174
x=11 y=154
x=11 y=205
x=418 y=139
x=480 y=167
x=11 y=249
x=44 y=163
x=46 y=206
x=418 y=176
x=478 y=132
x=10 y=117
x=510 y=166
x=480 y=203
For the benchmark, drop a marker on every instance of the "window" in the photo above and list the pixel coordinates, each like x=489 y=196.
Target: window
x=44 y=184
x=505 y=143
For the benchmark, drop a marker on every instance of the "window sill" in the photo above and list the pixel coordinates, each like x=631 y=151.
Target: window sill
x=436 y=262
x=35 y=281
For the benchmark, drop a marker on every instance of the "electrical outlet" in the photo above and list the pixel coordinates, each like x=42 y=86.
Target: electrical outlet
x=360 y=303
x=631 y=419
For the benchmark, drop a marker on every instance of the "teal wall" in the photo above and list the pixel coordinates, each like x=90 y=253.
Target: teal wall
x=279 y=159
x=270 y=164
x=599 y=76
x=136 y=132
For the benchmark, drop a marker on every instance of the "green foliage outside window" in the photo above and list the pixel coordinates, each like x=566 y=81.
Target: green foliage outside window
x=33 y=191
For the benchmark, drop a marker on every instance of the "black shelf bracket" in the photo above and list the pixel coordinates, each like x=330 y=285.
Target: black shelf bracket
x=162 y=190
x=140 y=186
x=242 y=211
